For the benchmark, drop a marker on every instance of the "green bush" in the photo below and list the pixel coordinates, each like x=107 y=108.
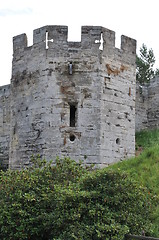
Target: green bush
x=66 y=201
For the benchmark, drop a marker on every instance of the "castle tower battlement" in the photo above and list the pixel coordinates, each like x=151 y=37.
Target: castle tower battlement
x=91 y=38
x=72 y=99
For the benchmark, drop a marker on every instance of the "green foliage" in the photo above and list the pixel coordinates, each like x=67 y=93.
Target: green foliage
x=66 y=201
x=145 y=169
x=144 y=65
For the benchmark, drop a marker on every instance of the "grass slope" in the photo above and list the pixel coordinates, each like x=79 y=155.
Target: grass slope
x=144 y=168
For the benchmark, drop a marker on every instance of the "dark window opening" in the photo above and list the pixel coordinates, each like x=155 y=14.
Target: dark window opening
x=73 y=113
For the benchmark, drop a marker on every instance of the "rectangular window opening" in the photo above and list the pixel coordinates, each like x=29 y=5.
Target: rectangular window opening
x=73 y=115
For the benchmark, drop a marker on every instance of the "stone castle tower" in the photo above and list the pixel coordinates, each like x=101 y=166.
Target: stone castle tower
x=72 y=99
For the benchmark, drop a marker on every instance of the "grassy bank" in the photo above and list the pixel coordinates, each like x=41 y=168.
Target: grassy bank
x=144 y=168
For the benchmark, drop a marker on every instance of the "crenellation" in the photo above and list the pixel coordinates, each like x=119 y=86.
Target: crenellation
x=90 y=33
x=93 y=38
x=59 y=34
x=128 y=44
x=20 y=42
x=51 y=36
x=109 y=38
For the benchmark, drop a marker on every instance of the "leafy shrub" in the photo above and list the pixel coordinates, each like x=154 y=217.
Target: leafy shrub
x=66 y=201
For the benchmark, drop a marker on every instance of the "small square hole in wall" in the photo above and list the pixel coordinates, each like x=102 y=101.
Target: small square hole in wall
x=118 y=141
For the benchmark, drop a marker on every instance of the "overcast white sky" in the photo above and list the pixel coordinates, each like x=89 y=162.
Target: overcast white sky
x=134 y=18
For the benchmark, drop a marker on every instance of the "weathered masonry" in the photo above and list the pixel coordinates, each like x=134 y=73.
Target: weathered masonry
x=147 y=105
x=72 y=99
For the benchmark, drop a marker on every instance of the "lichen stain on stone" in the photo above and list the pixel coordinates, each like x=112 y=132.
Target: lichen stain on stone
x=115 y=71
x=62 y=116
x=86 y=93
x=123 y=68
x=64 y=89
x=15 y=141
x=68 y=92
x=62 y=126
x=64 y=141
x=69 y=131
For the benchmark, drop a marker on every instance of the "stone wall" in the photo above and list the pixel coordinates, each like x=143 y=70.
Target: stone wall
x=141 y=107
x=153 y=104
x=147 y=105
x=118 y=101
x=72 y=99
x=4 y=124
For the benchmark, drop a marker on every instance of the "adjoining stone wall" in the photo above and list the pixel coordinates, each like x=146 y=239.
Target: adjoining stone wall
x=72 y=99
x=153 y=104
x=4 y=124
x=147 y=105
x=141 y=107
